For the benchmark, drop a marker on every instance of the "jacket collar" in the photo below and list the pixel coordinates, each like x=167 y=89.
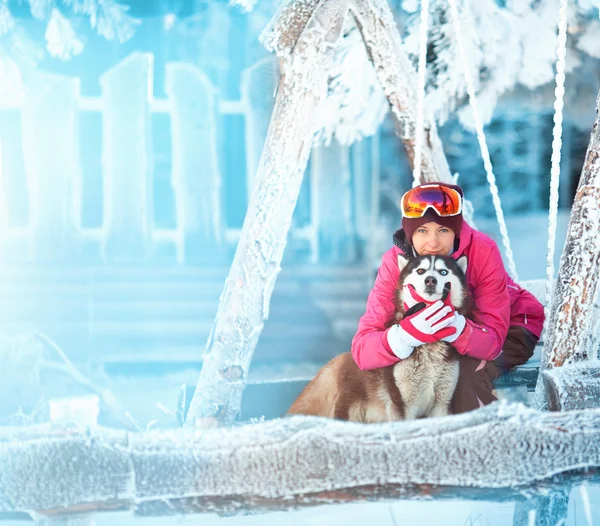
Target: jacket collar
x=466 y=234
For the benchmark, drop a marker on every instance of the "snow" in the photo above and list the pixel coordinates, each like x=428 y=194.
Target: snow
x=352 y=110
x=589 y=42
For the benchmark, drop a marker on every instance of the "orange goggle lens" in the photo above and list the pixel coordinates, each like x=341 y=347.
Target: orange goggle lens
x=445 y=201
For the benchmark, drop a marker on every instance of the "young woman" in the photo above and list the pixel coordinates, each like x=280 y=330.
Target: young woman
x=506 y=321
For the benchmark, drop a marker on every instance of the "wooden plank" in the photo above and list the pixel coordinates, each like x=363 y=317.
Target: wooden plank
x=196 y=175
x=51 y=154
x=127 y=159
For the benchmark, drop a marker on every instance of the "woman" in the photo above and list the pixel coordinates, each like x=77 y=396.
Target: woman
x=506 y=321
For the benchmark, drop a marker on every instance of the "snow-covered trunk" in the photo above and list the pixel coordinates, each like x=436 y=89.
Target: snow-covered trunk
x=569 y=330
x=399 y=81
x=244 y=304
x=570 y=333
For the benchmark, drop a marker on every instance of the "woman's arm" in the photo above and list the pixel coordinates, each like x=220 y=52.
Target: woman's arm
x=370 y=348
x=484 y=334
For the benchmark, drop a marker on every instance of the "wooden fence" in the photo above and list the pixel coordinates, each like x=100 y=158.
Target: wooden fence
x=44 y=157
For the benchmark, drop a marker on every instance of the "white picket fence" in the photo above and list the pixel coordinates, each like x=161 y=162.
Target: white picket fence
x=342 y=190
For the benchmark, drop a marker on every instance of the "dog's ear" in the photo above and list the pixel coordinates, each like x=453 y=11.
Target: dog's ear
x=462 y=264
x=402 y=261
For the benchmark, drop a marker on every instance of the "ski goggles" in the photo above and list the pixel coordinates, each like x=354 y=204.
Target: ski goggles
x=447 y=202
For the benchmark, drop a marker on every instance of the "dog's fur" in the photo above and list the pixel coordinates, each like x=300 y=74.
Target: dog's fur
x=420 y=386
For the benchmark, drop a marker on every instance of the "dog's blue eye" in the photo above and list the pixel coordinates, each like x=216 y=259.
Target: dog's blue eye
x=420 y=271
x=443 y=272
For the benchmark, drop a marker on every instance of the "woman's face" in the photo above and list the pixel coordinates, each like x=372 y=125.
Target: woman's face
x=433 y=239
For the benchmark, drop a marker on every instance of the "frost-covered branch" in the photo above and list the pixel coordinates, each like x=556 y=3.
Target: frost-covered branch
x=501 y=451
x=109 y=18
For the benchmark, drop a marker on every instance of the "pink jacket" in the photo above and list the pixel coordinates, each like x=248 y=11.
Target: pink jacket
x=498 y=303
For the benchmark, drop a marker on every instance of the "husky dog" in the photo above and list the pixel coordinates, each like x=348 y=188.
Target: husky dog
x=420 y=386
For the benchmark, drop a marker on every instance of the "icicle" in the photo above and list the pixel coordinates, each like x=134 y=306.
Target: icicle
x=424 y=26
x=487 y=162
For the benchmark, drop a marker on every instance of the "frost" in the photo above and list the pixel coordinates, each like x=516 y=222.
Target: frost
x=589 y=42
x=571 y=325
x=62 y=41
x=109 y=18
x=573 y=386
x=294 y=461
x=352 y=110
x=508 y=45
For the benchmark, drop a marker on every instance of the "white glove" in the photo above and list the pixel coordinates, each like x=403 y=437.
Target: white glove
x=426 y=326
x=458 y=323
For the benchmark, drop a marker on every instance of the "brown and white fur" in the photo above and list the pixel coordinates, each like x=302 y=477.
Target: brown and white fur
x=420 y=386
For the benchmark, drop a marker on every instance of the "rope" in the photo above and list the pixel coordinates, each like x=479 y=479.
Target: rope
x=487 y=163
x=561 y=53
x=424 y=26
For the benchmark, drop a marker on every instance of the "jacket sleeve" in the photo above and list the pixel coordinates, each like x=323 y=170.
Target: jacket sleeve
x=370 y=348
x=484 y=335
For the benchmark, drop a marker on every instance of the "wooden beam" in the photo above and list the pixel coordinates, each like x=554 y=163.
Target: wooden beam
x=293 y=462
x=573 y=386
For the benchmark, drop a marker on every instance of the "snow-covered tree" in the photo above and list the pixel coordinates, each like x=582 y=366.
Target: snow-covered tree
x=507 y=46
x=109 y=18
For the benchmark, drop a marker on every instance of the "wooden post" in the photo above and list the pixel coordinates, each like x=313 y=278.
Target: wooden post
x=244 y=304
x=572 y=334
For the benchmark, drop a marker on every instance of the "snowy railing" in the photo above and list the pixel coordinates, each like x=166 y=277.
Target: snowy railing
x=52 y=164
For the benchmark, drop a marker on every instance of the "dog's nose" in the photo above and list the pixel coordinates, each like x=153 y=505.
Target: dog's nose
x=430 y=281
